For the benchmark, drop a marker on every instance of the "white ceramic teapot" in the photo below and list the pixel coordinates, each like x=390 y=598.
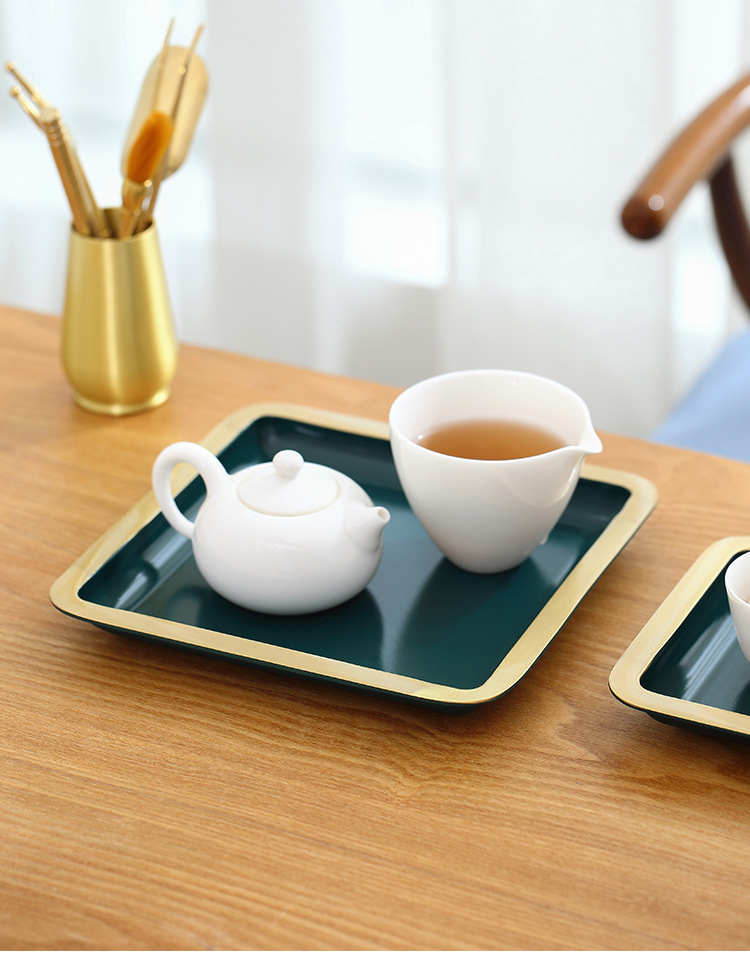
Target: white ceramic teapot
x=284 y=537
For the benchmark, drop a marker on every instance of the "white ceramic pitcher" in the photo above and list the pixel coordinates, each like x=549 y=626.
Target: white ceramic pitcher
x=489 y=515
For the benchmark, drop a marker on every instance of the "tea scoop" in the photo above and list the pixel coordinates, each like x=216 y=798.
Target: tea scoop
x=175 y=85
x=161 y=99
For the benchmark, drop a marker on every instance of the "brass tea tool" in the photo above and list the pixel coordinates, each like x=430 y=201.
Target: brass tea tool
x=88 y=218
x=119 y=339
x=144 y=162
x=175 y=84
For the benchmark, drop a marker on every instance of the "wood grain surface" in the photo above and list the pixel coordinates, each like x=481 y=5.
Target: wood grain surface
x=151 y=798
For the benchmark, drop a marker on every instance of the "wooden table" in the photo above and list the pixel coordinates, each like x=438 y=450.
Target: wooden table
x=154 y=798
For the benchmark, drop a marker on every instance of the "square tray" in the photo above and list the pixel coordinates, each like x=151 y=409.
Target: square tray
x=423 y=629
x=686 y=667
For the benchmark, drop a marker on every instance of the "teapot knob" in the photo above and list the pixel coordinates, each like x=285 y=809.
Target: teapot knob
x=287 y=486
x=288 y=463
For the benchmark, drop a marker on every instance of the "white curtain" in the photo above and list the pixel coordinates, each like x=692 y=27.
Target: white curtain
x=392 y=188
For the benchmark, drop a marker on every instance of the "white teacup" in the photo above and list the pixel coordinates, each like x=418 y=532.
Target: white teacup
x=489 y=515
x=737 y=581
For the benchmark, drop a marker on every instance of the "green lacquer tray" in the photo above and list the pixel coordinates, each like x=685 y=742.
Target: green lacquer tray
x=686 y=667
x=422 y=630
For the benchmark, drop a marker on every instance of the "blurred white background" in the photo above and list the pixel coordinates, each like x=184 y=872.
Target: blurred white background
x=392 y=188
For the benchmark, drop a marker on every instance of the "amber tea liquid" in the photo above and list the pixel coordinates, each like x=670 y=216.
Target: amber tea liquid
x=490 y=439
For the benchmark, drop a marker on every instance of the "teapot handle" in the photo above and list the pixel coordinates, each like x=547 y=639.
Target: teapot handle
x=208 y=466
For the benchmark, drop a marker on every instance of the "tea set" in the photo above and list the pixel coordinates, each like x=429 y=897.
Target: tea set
x=293 y=537
x=289 y=536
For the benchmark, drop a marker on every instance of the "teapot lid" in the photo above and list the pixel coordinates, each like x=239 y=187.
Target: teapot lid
x=287 y=487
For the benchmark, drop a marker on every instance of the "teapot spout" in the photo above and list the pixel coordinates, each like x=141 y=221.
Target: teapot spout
x=365 y=524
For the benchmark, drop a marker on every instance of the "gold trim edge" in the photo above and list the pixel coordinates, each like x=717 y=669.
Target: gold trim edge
x=582 y=577
x=625 y=677
x=64 y=593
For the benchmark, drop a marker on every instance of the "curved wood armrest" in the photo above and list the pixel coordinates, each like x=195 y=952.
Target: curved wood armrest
x=693 y=155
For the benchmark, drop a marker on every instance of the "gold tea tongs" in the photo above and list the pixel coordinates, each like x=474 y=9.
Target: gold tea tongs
x=88 y=218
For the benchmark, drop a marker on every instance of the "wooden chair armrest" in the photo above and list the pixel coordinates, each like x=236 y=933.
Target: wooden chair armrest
x=700 y=149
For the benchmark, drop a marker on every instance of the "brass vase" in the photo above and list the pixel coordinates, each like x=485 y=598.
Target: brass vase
x=119 y=345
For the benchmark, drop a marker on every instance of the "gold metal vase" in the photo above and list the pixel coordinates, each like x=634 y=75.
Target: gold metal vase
x=119 y=345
